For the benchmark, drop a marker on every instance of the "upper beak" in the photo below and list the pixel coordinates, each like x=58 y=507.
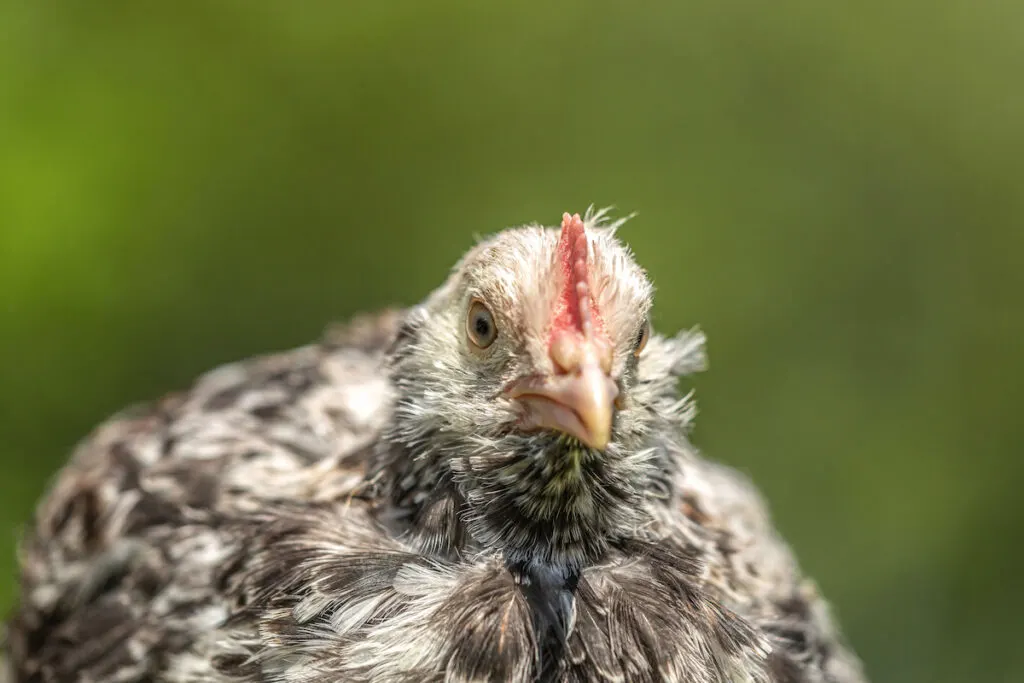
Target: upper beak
x=580 y=403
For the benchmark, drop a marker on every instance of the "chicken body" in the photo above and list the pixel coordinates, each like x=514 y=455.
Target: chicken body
x=408 y=500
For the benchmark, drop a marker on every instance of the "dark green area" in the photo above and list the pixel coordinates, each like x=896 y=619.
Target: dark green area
x=833 y=191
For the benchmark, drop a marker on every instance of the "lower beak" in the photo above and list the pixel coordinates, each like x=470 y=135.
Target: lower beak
x=581 y=404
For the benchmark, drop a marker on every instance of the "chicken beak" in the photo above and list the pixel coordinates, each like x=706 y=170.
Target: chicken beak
x=580 y=403
x=591 y=395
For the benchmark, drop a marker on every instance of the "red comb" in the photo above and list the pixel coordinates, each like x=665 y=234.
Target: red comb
x=574 y=309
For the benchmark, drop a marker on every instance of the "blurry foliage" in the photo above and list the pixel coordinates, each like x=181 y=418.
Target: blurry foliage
x=832 y=191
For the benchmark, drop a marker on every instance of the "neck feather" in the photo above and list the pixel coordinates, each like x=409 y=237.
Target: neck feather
x=543 y=498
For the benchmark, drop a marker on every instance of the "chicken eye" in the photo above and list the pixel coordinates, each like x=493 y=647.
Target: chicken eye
x=642 y=337
x=480 y=325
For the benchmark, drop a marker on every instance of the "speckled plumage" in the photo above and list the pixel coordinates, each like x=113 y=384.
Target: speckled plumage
x=327 y=514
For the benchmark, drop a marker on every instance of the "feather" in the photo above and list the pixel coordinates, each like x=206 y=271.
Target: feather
x=368 y=509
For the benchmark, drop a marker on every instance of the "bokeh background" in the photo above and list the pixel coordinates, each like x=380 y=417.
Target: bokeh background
x=832 y=191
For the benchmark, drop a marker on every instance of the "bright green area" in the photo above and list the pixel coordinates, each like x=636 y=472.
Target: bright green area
x=832 y=190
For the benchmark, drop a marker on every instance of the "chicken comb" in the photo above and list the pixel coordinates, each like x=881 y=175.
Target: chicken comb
x=574 y=307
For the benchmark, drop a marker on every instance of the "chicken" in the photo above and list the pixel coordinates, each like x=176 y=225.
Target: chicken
x=493 y=485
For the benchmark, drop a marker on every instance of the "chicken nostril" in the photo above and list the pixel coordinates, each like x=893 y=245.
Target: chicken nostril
x=566 y=353
x=603 y=352
x=569 y=353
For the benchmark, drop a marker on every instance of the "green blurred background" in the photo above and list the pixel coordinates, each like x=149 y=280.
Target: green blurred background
x=833 y=192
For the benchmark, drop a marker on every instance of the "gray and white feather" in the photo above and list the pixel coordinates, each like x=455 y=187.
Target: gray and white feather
x=493 y=485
